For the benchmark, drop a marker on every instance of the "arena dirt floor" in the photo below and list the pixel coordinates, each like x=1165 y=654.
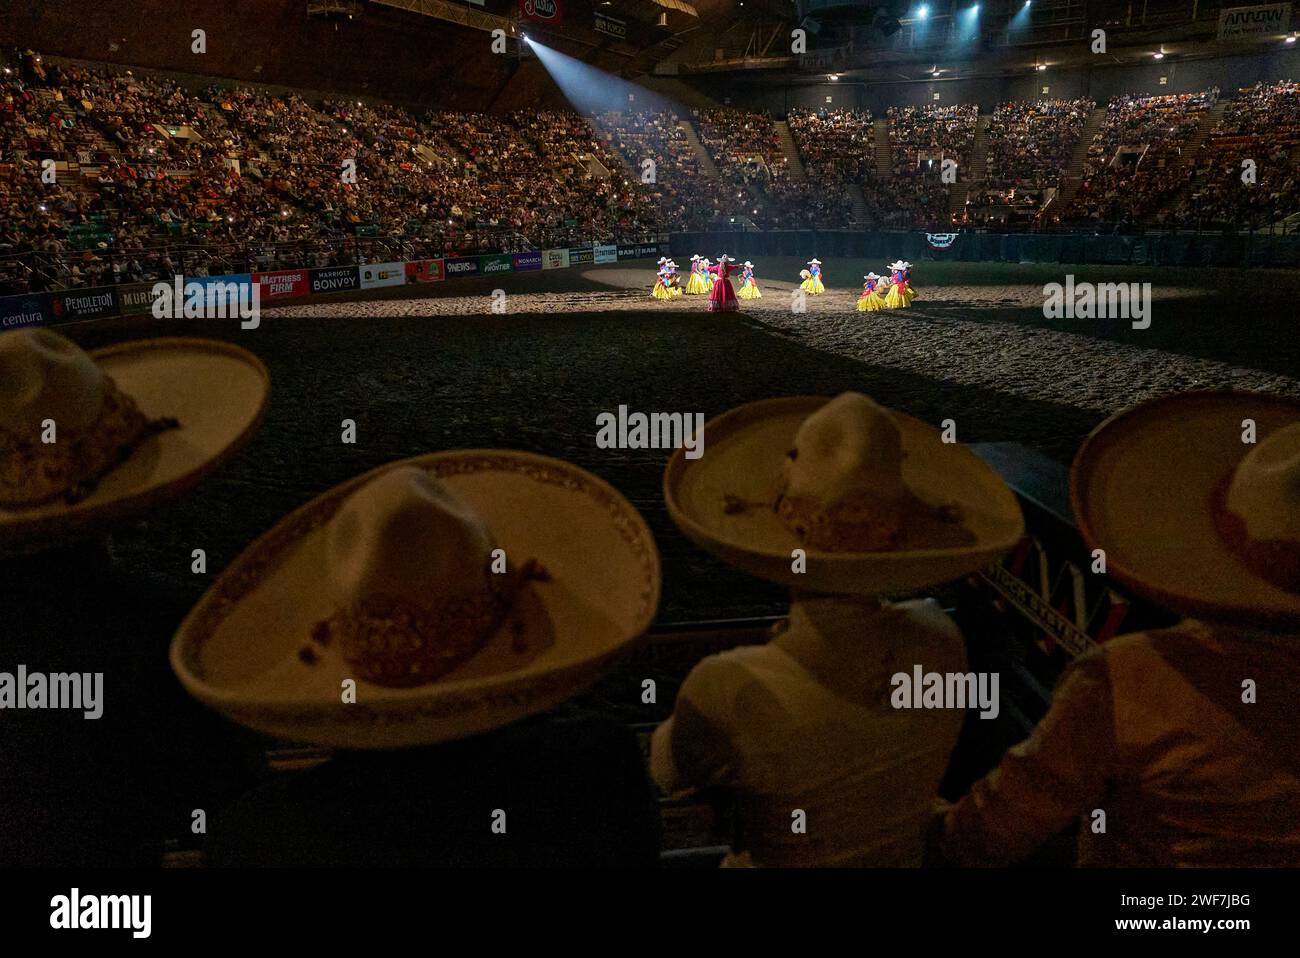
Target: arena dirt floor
x=437 y=369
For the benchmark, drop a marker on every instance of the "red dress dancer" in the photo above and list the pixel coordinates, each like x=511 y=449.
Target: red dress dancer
x=723 y=298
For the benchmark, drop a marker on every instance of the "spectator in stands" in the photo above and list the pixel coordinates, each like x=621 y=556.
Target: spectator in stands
x=1174 y=747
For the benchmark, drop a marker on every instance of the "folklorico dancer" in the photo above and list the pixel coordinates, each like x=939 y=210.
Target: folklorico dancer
x=697 y=283
x=660 y=290
x=674 y=283
x=706 y=270
x=901 y=293
x=748 y=288
x=813 y=278
x=871 y=301
x=723 y=297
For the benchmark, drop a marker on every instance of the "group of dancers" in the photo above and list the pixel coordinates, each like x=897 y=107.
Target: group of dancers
x=893 y=291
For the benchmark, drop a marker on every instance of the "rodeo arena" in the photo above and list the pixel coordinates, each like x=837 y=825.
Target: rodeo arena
x=652 y=434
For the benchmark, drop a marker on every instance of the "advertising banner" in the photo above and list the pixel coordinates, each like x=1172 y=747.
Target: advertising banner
x=230 y=290
x=1242 y=23
x=547 y=11
x=29 y=309
x=555 y=259
x=606 y=254
x=581 y=256
x=70 y=305
x=334 y=279
x=495 y=263
x=133 y=299
x=610 y=26
x=376 y=275
x=637 y=250
x=526 y=262
x=461 y=266
x=283 y=284
x=424 y=271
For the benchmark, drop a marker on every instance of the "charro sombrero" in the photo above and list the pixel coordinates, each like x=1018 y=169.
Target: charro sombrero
x=853 y=450
x=313 y=603
x=1183 y=507
x=92 y=441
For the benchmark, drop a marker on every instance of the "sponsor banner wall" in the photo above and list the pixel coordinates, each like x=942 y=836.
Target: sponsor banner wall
x=526 y=262
x=283 y=284
x=637 y=250
x=605 y=254
x=495 y=263
x=74 y=304
x=424 y=271
x=461 y=266
x=376 y=275
x=555 y=259
x=29 y=309
x=334 y=279
x=581 y=256
x=135 y=298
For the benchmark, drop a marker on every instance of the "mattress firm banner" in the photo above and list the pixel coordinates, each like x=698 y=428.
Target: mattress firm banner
x=605 y=254
x=582 y=256
x=637 y=250
x=133 y=299
x=1243 y=23
x=334 y=279
x=32 y=309
x=77 y=304
x=424 y=271
x=555 y=259
x=527 y=262
x=461 y=266
x=376 y=275
x=496 y=263
x=283 y=284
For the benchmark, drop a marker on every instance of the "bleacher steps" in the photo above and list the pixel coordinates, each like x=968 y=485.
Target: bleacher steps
x=701 y=154
x=884 y=159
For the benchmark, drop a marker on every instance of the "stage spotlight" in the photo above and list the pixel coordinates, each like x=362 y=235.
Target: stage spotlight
x=922 y=12
x=1158 y=56
x=1288 y=40
x=1042 y=67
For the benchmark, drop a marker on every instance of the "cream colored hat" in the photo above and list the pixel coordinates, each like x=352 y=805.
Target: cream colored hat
x=459 y=591
x=899 y=264
x=98 y=407
x=1191 y=515
x=814 y=261
x=846 y=451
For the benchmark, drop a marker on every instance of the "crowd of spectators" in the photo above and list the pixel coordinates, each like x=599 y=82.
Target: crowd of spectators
x=152 y=178
x=1248 y=173
x=1136 y=161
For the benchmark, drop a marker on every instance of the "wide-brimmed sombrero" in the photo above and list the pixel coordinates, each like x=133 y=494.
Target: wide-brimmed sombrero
x=240 y=650
x=1149 y=487
x=744 y=452
x=216 y=393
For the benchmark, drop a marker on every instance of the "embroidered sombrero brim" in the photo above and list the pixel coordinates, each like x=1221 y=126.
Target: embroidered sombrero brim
x=1144 y=487
x=238 y=650
x=743 y=454
x=216 y=391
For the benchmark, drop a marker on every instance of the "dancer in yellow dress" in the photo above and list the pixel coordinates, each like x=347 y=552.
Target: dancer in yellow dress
x=813 y=282
x=660 y=290
x=674 y=281
x=748 y=288
x=870 y=301
x=901 y=293
x=697 y=283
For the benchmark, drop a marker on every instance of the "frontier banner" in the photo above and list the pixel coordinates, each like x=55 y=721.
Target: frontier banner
x=1242 y=23
x=494 y=263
